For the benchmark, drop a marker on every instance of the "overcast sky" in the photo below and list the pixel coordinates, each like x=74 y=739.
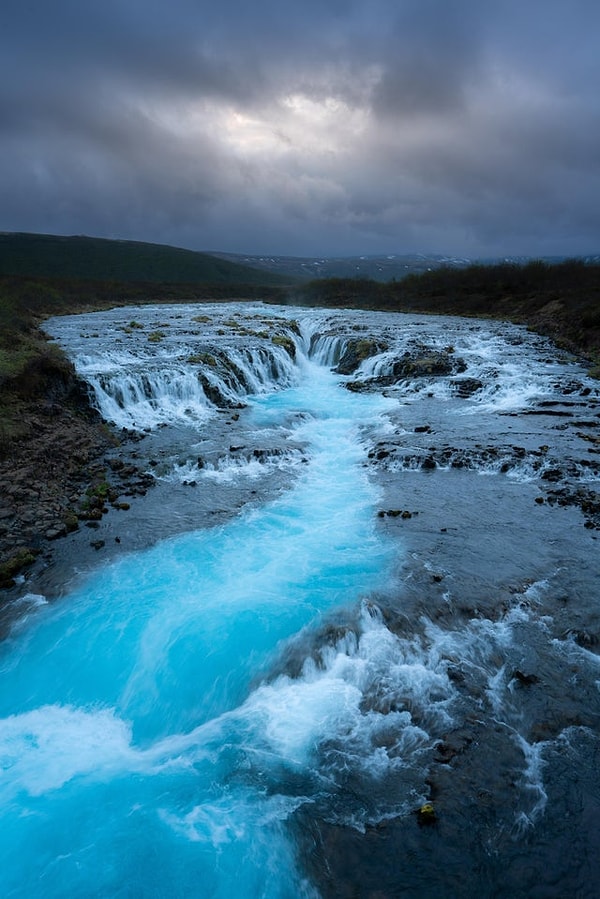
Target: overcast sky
x=321 y=127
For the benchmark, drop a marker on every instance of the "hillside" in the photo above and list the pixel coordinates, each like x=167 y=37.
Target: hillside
x=375 y=267
x=97 y=259
x=380 y=267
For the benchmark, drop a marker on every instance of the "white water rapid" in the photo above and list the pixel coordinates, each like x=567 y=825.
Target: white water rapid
x=397 y=605
x=140 y=755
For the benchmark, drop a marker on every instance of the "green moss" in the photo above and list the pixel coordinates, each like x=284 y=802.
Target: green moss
x=13 y=427
x=286 y=342
x=202 y=359
x=14 y=360
x=101 y=490
x=156 y=336
x=12 y=566
x=71 y=521
x=363 y=349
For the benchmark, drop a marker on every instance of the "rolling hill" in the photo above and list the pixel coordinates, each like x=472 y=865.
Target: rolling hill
x=99 y=259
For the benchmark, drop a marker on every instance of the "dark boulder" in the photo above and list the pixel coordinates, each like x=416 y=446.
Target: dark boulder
x=466 y=387
x=427 y=363
x=356 y=351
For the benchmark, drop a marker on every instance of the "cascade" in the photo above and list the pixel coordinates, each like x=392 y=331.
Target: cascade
x=260 y=707
x=135 y=733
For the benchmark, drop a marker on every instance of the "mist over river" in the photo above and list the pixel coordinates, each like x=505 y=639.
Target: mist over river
x=348 y=645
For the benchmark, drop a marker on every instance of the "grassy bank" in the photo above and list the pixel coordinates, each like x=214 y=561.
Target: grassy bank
x=43 y=275
x=31 y=368
x=49 y=438
x=561 y=301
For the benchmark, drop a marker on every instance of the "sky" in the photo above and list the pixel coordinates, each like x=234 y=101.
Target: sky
x=322 y=127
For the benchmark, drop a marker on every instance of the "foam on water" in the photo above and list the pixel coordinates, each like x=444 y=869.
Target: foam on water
x=165 y=726
x=176 y=375
x=134 y=694
x=144 y=399
x=229 y=469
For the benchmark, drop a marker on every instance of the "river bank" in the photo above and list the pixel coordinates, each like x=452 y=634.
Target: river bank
x=60 y=481
x=54 y=475
x=423 y=478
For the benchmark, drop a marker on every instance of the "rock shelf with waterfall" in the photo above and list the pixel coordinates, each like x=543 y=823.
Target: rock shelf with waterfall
x=349 y=642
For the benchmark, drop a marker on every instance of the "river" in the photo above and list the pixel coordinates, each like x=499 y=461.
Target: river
x=348 y=645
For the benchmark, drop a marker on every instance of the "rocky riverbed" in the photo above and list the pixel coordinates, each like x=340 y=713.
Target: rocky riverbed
x=63 y=478
x=74 y=470
x=435 y=732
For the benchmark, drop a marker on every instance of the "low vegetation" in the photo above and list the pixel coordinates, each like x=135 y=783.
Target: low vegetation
x=32 y=367
x=561 y=301
x=50 y=256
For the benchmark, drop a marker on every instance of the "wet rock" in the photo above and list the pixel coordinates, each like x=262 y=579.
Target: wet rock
x=586 y=499
x=430 y=363
x=552 y=474
x=426 y=815
x=466 y=387
x=585 y=639
x=212 y=392
x=283 y=340
x=557 y=413
x=13 y=566
x=90 y=515
x=356 y=351
x=526 y=680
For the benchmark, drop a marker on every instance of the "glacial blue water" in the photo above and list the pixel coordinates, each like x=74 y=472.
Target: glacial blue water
x=136 y=759
x=398 y=606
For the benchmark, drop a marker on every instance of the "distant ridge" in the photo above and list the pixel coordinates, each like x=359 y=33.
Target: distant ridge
x=101 y=259
x=376 y=267
x=388 y=267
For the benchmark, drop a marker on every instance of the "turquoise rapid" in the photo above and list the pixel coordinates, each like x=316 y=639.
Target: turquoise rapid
x=141 y=752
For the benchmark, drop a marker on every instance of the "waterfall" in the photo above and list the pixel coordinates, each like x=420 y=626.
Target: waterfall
x=135 y=730
x=261 y=707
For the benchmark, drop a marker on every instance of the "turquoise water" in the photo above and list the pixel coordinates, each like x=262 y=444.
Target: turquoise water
x=140 y=755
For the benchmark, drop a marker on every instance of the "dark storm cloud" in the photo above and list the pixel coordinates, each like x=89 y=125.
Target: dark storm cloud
x=317 y=127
